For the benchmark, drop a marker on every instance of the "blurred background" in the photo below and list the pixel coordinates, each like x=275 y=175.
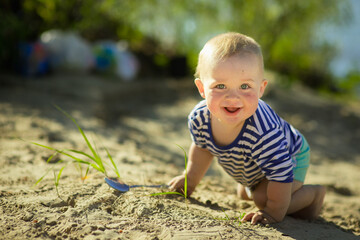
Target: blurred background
x=124 y=70
x=312 y=42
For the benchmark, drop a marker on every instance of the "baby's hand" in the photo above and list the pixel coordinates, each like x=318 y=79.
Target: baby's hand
x=259 y=216
x=177 y=184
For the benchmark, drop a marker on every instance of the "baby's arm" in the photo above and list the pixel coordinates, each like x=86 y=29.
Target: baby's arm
x=277 y=203
x=198 y=163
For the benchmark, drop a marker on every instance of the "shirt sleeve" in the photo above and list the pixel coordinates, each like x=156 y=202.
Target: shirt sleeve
x=196 y=132
x=273 y=157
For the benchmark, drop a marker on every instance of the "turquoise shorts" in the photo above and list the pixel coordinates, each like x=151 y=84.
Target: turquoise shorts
x=301 y=162
x=302 y=159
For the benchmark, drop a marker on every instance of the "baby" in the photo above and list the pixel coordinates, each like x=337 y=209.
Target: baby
x=262 y=152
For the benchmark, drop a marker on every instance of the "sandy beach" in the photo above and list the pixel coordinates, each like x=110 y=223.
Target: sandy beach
x=141 y=123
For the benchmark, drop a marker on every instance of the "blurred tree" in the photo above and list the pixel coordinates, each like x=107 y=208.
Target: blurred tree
x=162 y=29
x=13 y=28
x=351 y=83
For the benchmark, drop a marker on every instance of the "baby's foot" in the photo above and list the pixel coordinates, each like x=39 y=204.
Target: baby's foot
x=313 y=210
x=315 y=207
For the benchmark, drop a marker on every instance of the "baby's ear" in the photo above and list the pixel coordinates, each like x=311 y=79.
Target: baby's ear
x=263 y=87
x=200 y=86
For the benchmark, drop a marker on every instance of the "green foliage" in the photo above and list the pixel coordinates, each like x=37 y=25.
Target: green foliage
x=91 y=161
x=57 y=180
x=236 y=220
x=184 y=194
x=285 y=29
x=351 y=83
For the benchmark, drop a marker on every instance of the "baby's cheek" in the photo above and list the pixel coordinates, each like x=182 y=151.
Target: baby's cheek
x=212 y=104
x=249 y=94
x=251 y=97
x=212 y=108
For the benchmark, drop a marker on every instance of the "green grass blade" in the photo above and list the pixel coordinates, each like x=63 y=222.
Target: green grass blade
x=62 y=152
x=46 y=173
x=97 y=167
x=86 y=173
x=116 y=170
x=166 y=193
x=81 y=153
x=41 y=178
x=185 y=182
x=100 y=169
x=82 y=161
x=227 y=217
x=240 y=218
x=58 y=151
x=99 y=160
x=50 y=148
x=59 y=175
x=51 y=157
x=96 y=161
x=57 y=180
x=90 y=164
x=78 y=167
x=96 y=156
x=44 y=146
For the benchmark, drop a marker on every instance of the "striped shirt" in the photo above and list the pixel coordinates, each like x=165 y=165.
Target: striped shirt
x=264 y=147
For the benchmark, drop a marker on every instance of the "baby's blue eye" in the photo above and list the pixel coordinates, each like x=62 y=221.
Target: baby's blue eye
x=244 y=86
x=220 y=86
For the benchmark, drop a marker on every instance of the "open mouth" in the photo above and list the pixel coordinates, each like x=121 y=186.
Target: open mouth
x=232 y=109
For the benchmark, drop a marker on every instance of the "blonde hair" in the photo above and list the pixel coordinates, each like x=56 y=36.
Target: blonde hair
x=224 y=46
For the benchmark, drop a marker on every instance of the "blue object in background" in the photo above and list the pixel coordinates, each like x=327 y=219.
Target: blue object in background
x=33 y=59
x=114 y=59
x=105 y=57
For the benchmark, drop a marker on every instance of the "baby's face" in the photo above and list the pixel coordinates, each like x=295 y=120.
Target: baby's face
x=232 y=88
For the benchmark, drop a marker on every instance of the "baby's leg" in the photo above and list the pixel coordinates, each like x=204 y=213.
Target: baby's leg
x=307 y=201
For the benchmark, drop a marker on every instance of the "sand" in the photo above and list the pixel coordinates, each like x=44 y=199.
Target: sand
x=141 y=123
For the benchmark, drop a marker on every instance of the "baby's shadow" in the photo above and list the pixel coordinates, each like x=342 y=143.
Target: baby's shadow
x=316 y=229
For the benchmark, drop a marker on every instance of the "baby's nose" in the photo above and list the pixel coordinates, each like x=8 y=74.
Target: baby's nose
x=232 y=94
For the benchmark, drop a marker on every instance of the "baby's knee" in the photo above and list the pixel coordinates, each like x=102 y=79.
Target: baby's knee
x=320 y=190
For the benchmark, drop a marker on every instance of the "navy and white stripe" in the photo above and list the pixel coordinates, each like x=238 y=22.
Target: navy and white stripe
x=264 y=148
